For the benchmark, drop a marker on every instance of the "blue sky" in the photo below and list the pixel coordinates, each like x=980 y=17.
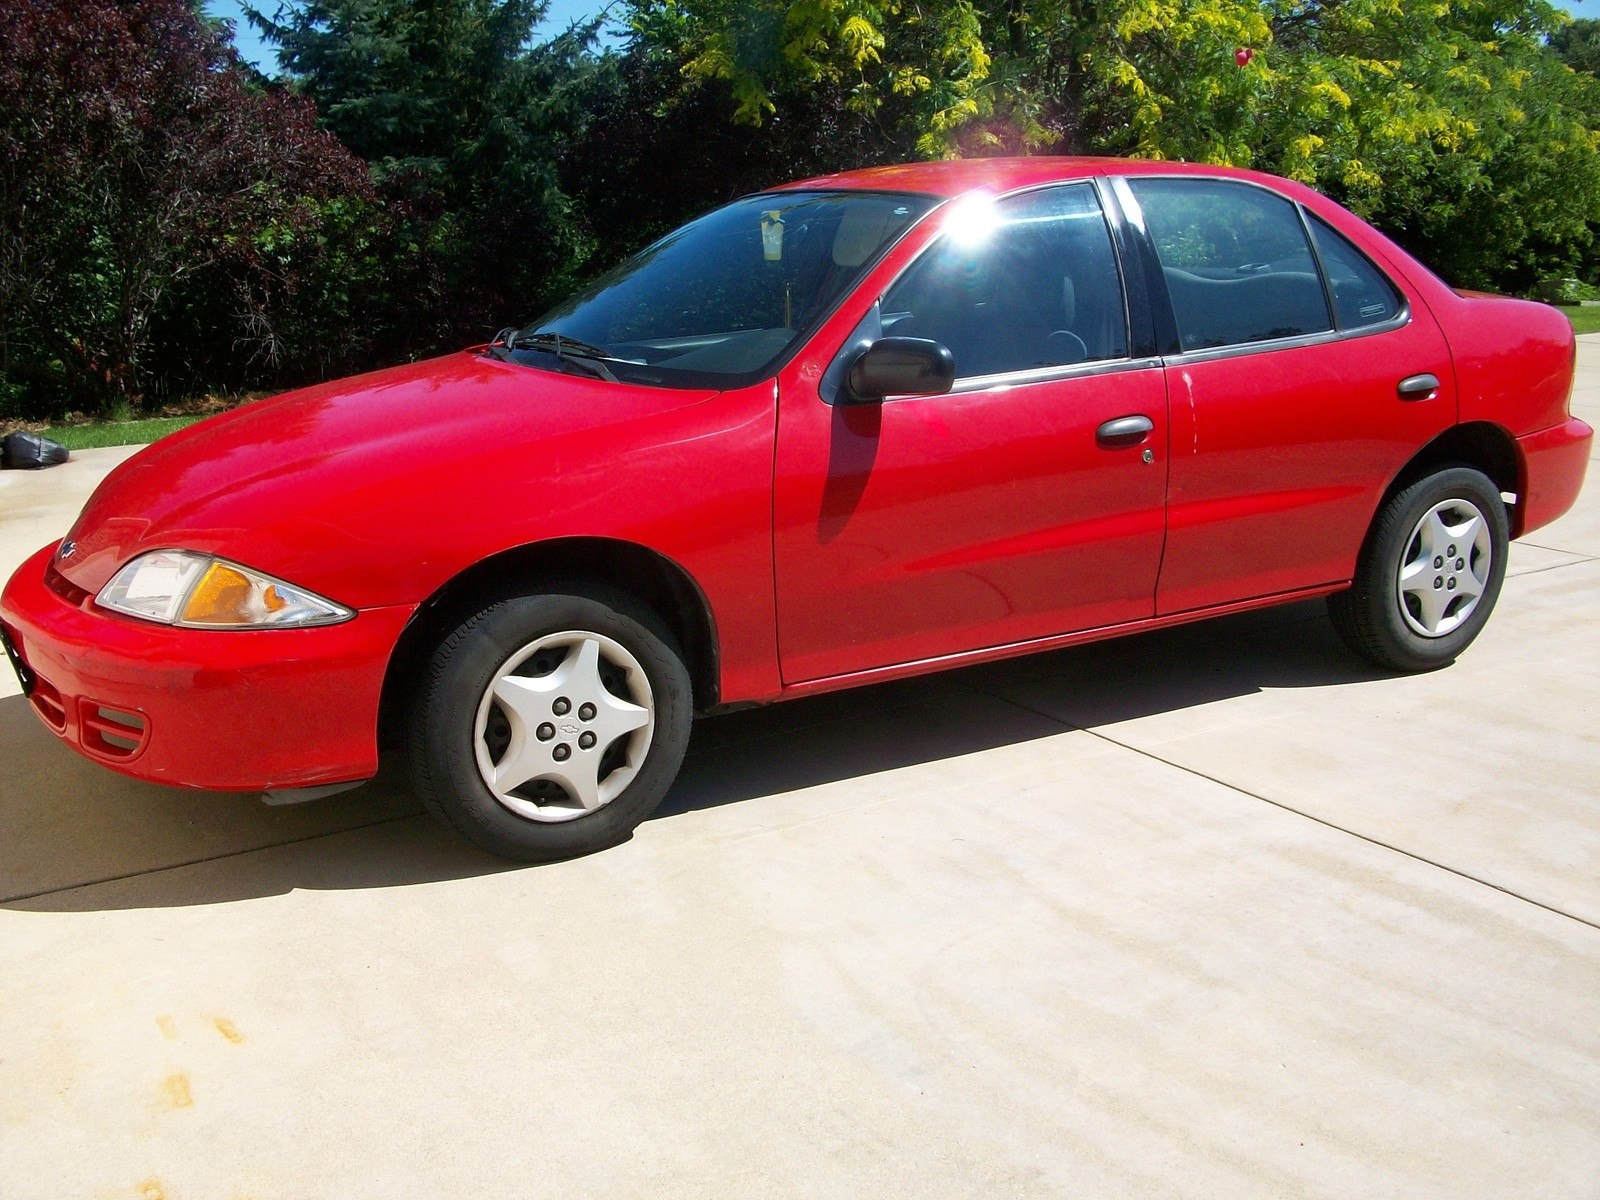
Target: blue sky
x=562 y=12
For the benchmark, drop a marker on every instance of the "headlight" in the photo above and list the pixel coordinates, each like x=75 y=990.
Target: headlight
x=177 y=587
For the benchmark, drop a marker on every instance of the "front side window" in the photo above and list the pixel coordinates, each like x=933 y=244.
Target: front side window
x=1018 y=284
x=720 y=301
x=1236 y=261
x=1362 y=295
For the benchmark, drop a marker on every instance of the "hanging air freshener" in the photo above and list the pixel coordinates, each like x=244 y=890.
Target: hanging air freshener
x=772 y=235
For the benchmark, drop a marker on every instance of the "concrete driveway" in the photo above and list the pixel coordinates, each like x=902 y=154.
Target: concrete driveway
x=1215 y=912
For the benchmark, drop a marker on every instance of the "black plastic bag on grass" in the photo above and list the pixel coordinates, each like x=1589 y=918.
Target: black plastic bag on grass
x=29 y=452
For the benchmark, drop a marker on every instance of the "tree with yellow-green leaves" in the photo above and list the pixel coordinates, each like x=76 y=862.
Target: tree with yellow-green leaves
x=1451 y=124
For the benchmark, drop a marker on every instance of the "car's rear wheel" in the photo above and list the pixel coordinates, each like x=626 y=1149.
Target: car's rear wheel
x=1429 y=575
x=549 y=726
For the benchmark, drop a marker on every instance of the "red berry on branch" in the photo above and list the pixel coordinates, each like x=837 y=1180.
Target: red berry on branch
x=1243 y=55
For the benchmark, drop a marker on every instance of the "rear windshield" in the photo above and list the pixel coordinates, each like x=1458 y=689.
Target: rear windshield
x=722 y=300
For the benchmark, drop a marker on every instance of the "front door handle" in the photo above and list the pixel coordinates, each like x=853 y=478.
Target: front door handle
x=1418 y=387
x=1124 y=431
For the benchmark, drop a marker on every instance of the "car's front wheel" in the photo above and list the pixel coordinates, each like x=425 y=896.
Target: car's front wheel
x=549 y=726
x=1429 y=574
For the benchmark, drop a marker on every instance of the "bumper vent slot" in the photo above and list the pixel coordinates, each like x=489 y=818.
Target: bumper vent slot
x=110 y=732
x=47 y=702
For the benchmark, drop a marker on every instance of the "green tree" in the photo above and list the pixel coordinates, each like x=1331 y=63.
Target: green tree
x=1450 y=123
x=655 y=152
x=134 y=158
x=463 y=116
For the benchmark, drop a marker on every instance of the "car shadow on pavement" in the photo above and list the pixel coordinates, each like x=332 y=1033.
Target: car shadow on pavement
x=75 y=837
x=804 y=743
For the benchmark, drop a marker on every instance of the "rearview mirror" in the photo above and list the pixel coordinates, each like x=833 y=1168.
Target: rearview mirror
x=900 y=366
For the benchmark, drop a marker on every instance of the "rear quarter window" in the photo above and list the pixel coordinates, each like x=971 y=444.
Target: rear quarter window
x=1362 y=294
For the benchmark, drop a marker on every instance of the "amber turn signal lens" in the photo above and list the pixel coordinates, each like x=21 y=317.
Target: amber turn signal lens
x=222 y=597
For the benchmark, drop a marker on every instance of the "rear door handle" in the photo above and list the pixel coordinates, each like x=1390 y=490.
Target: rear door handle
x=1124 y=431
x=1418 y=387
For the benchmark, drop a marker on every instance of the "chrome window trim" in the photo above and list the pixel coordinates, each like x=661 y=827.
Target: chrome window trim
x=1010 y=379
x=1002 y=381
x=1323 y=338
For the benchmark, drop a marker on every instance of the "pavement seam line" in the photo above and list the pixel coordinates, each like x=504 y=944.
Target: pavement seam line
x=194 y=862
x=1552 y=567
x=1289 y=808
x=1368 y=838
x=1578 y=555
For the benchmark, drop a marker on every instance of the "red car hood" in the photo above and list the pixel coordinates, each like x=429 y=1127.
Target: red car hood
x=316 y=485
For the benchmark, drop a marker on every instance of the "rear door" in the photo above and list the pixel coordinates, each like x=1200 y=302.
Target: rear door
x=918 y=527
x=1288 y=414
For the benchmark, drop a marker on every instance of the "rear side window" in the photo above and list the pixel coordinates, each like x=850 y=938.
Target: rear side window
x=1236 y=260
x=1362 y=294
x=1023 y=283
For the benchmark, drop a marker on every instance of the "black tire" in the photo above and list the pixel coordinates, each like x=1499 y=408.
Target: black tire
x=1371 y=618
x=442 y=724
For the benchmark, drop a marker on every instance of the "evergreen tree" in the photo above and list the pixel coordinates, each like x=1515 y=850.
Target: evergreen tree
x=463 y=116
x=1577 y=44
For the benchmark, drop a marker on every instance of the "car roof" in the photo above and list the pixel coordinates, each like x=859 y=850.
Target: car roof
x=952 y=177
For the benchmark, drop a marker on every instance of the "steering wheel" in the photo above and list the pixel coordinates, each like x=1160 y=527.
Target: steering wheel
x=1065 y=348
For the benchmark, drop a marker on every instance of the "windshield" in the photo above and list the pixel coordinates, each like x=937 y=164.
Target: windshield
x=720 y=301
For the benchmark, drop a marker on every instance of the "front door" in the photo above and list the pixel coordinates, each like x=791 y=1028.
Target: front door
x=1008 y=510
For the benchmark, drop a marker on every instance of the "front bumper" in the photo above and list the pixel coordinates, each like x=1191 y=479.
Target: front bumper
x=232 y=710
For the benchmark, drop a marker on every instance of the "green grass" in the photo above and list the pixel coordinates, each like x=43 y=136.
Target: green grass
x=1584 y=320
x=118 y=433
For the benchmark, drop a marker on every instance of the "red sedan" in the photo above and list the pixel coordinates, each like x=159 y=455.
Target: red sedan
x=850 y=429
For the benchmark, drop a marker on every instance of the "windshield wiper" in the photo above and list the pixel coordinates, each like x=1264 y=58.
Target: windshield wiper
x=559 y=343
x=502 y=343
x=591 y=358
x=567 y=349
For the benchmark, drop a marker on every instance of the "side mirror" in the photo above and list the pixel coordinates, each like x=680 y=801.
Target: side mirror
x=900 y=366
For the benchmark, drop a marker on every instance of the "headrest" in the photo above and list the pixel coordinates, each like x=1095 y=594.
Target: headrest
x=865 y=226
